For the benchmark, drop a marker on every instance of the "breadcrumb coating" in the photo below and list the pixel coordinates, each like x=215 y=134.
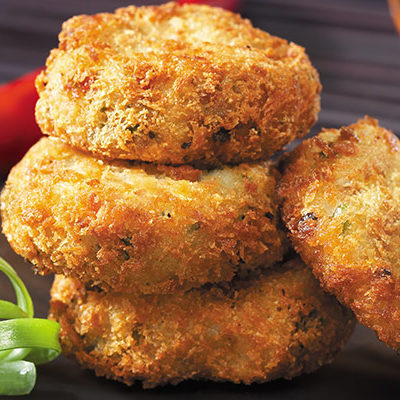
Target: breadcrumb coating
x=341 y=203
x=144 y=227
x=176 y=85
x=253 y=329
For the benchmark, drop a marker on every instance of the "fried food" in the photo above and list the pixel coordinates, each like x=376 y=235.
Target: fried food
x=280 y=324
x=341 y=203
x=133 y=226
x=176 y=84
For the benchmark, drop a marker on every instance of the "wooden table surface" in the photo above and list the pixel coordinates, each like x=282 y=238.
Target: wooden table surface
x=357 y=52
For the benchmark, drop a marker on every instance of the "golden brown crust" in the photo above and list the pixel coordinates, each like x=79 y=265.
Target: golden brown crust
x=341 y=203
x=176 y=84
x=133 y=226
x=280 y=324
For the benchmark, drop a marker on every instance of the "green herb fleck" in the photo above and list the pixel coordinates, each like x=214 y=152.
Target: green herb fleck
x=195 y=227
x=269 y=215
x=137 y=335
x=132 y=129
x=346 y=227
x=127 y=240
x=186 y=145
x=323 y=155
x=339 y=210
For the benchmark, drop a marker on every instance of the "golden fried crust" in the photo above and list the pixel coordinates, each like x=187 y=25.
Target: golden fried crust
x=176 y=84
x=280 y=324
x=341 y=203
x=147 y=227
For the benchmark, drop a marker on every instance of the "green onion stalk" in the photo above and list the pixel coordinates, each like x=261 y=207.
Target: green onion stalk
x=24 y=340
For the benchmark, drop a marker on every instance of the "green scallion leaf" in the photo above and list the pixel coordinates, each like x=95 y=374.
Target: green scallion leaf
x=10 y=310
x=24 y=300
x=24 y=340
x=42 y=356
x=17 y=378
x=29 y=333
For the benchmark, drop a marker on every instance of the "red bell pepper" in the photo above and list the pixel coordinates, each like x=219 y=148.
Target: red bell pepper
x=18 y=128
x=232 y=5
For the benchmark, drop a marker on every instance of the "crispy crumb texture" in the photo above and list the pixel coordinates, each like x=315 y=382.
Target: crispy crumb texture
x=253 y=329
x=176 y=85
x=127 y=226
x=341 y=203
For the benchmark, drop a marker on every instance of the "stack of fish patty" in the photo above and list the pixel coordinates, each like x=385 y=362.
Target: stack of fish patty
x=155 y=201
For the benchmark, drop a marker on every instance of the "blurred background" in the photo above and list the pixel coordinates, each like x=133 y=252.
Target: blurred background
x=356 y=49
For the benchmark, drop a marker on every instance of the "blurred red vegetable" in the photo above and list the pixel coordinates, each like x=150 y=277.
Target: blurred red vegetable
x=232 y=5
x=18 y=128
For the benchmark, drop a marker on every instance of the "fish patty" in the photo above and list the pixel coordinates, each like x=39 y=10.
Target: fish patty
x=176 y=85
x=129 y=226
x=254 y=329
x=341 y=203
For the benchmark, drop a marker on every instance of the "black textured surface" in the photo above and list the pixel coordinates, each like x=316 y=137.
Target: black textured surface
x=357 y=52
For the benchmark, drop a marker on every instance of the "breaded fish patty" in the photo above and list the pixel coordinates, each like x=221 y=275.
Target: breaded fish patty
x=341 y=203
x=280 y=324
x=176 y=84
x=133 y=226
